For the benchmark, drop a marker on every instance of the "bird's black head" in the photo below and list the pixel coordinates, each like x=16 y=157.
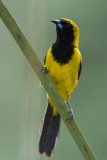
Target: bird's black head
x=67 y=30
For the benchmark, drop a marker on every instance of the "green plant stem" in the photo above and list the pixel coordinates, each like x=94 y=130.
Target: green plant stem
x=46 y=82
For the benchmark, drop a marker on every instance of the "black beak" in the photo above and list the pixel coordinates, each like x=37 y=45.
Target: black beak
x=56 y=21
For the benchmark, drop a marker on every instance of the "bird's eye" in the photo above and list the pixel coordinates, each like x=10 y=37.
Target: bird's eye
x=68 y=25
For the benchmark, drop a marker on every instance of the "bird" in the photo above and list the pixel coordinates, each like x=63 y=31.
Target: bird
x=63 y=62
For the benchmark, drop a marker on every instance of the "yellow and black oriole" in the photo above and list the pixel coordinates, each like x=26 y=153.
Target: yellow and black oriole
x=63 y=62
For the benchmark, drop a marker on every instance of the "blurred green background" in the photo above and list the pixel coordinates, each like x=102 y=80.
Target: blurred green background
x=23 y=101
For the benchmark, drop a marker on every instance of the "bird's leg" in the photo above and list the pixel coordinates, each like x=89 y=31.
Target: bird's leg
x=71 y=111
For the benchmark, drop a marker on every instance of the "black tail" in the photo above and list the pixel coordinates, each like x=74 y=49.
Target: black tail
x=50 y=130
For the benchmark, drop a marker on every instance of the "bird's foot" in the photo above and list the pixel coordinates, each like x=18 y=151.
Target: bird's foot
x=44 y=69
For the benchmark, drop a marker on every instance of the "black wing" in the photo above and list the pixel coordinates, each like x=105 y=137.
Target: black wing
x=44 y=60
x=79 y=71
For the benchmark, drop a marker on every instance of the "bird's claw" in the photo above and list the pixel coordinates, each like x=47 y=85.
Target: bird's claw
x=70 y=117
x=44 y=69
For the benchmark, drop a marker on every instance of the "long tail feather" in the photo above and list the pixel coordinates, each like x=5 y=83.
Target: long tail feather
x=50 y=130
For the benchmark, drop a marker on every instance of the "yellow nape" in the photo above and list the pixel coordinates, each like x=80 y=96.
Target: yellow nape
x=76 y=31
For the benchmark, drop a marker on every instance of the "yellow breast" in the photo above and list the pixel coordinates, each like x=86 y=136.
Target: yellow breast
x=64 y=76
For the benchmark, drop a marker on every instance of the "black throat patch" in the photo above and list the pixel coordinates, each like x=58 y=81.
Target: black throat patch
x=62 y=53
